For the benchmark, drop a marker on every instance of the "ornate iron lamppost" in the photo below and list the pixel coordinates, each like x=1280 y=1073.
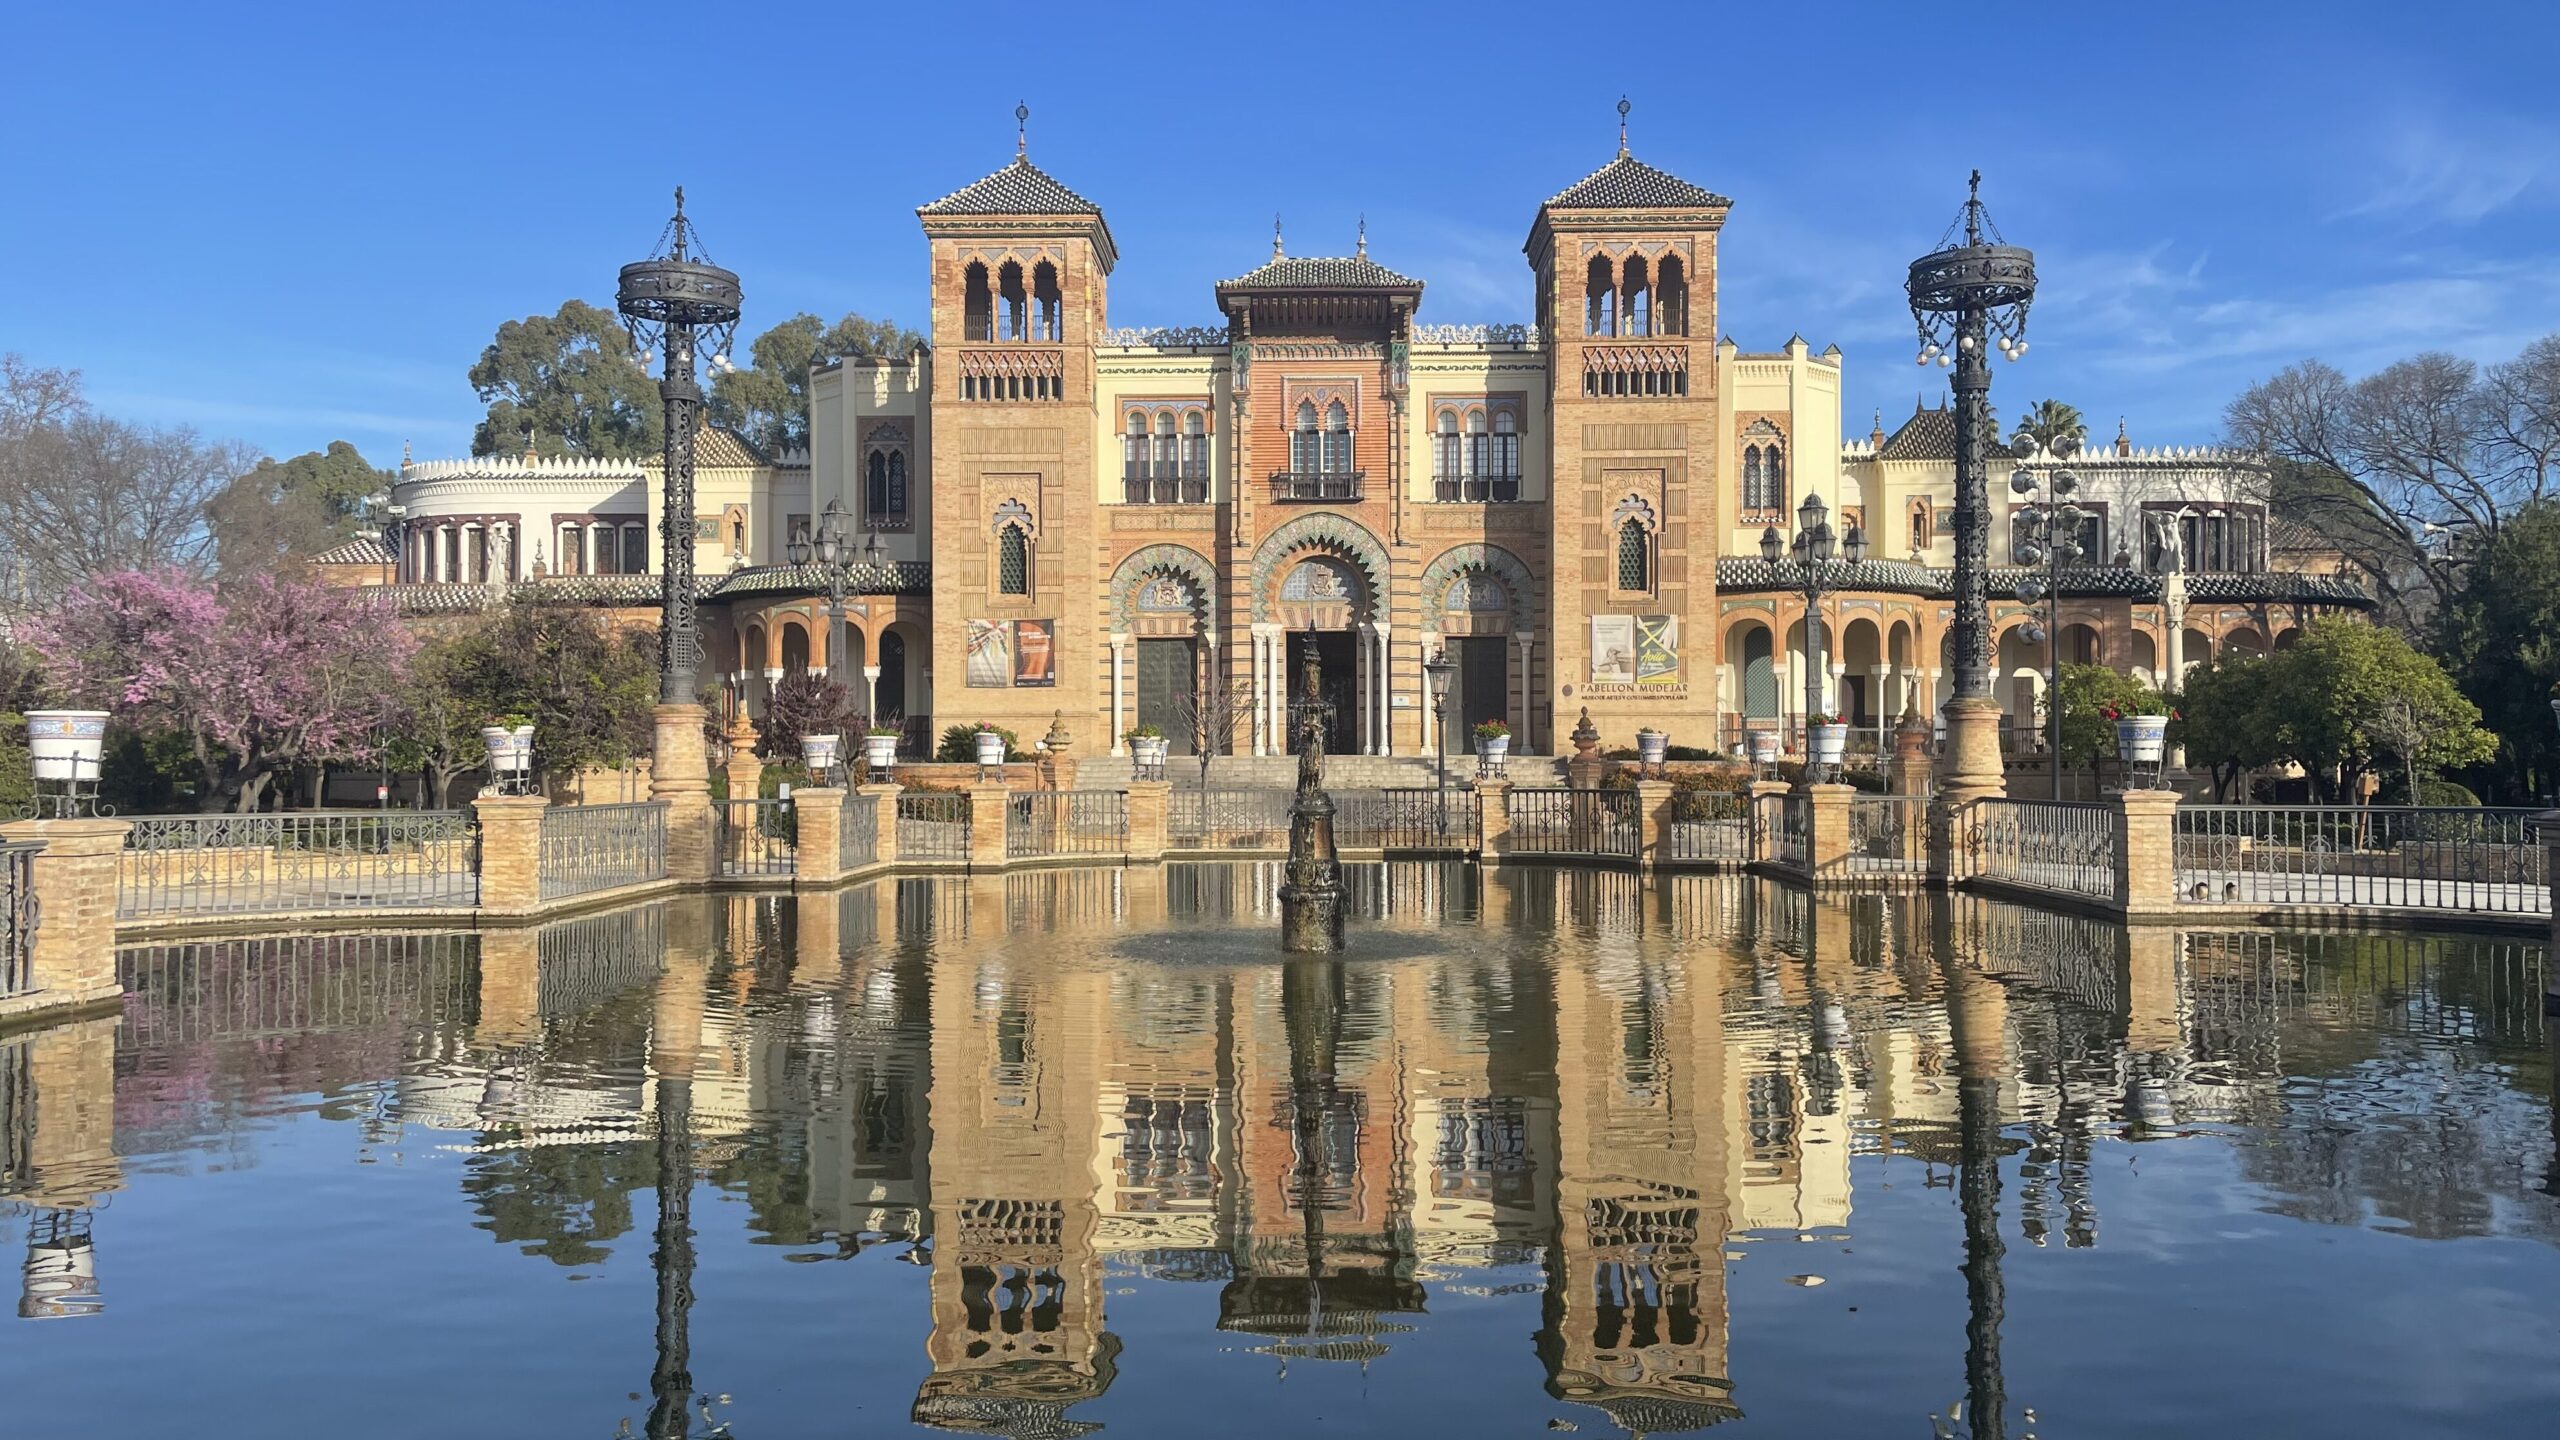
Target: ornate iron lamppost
x=664 y=300
x=2047 y=537
x=1437 y=670
x=1821 y=559
x=833 y=550
x=1966 y=296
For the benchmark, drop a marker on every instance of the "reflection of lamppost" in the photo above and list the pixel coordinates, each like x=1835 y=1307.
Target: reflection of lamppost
x=1963 y=295
x=833 y=550
x=2047 y=536
x=1822 y=558
x=1437 y=670
x=663 y=300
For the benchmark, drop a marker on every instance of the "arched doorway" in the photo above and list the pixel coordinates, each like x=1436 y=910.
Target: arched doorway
x=1163 y=600
x=1759 y=674
x=1477 y=599
x=1317 y=592
x=1321 y=600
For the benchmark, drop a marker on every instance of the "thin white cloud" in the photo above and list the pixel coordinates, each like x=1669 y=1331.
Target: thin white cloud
x=2424 y=172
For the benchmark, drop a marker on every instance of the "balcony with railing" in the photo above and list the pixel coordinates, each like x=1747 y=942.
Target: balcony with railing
x=1157 y=484
x=1475 y=489
x=1315 y=486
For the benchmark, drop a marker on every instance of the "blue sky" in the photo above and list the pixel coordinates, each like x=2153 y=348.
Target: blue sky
x=292 y=224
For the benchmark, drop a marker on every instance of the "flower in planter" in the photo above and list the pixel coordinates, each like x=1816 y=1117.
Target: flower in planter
x=1821 y=717
x=1492 y=730
x=1145 y=732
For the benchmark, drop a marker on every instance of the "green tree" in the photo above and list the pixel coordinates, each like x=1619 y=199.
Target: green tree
x=588 y=687
x=2052 y=426
x=293 y=509
x=2224 y=721
x=768 y=402
x=2500 y=637
x=2086 y=693
x=569 y=383
x=2333 y=692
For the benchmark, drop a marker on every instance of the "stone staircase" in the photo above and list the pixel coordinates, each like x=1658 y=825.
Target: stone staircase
x=1347 y=772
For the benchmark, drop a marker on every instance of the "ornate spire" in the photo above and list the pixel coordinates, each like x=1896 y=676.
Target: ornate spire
x=1275 y=234
x=1623 y=107
x=2123 y=445
x=1362 y=248
x=1022 y=131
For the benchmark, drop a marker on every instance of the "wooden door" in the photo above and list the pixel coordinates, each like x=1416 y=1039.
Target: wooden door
x=1167 y=680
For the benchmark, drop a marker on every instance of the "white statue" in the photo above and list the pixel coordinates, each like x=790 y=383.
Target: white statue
x=2170 y=536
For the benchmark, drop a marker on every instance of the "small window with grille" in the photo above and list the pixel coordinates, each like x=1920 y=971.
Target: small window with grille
x=1635 y=557
x=1013 y=561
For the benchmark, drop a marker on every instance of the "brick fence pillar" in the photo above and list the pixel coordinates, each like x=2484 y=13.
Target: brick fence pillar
x=1826 y=841
x=680 y=774
x=1148 y=801
x=986 y=826
x=884 y=813
x=745 y=770
x=2551 y=873
x=75 y=876
x=510 y=852
x=1494 y=798
x=817 y=848
x=2146 y=825
x=1653 y=820
x=1764 y=834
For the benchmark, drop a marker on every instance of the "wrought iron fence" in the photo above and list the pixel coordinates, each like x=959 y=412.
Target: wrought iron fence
x=933 y=825
x=2044 y=844
x=1574 y=822
x=758 y=837
x=1788 y=822
x=18 y=914
x=1416 y=818
x=1889 y=834
x=1066 y=822
x=858 y=833
x=2460 y=858
x=586 y=848
x=246 y=864
x=1227 y=819
x=1708 y=827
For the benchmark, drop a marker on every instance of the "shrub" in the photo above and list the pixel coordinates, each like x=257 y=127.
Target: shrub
x=2445 y=792
x=960 y=745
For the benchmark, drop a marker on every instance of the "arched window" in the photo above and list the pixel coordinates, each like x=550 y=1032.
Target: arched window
x=896 y=509
x=1133 y=460
x=1505 y=469
x=1671 y=299
x=1777 y=463
x=875 y=482
x=1638 y=304
x=1599 y=298
x=1764 y=473
x=1635 y=556
x=635 y=549
x=1754 y=496
x=1013 y=561
x=1168 y=451
x=573 y=551
x=1014 y=319
x=978 y=307
x=1924 y=529
x=1337 y=439
x=1195 y=457
x=1446 y=463
x=1044 y=296
x=1305 y=446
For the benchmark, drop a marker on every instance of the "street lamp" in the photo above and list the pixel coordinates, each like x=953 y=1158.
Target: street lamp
x=2047 y=537
x=1821 y=559
x=664 y=300
x=1437 y=670
x=1964 y=295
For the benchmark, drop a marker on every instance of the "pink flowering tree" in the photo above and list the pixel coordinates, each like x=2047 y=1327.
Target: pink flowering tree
x=258 y=675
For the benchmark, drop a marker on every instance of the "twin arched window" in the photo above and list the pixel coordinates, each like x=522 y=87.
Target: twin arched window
x=1480 y=465
x=1764 y=469
x=1325 y=451
x=884 y=485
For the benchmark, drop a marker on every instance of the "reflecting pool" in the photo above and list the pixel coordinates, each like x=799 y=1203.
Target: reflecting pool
x=1059 y=1153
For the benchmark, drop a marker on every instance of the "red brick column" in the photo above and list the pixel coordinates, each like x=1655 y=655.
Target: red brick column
x=817 y=851
x=510 y=853
x=1826 y=843
x=2146 y=824
x=1147 y=803
x=986 y=826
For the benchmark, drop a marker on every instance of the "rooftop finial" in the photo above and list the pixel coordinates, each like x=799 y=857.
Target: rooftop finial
x=405 y=461
x=1623 y=107
x=1363 y=249
x=679 y=202
x=1275 y=234
x=1022 y=130
x=1973 y=210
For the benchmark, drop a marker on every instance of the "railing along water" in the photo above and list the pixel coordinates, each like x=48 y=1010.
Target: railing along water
x=933 y=825
x=858 y=836
x=758 y=837
x=1708 y=827
x=1043 y=823
x=249 y=864
x=1789 y=820
x=1415 y=818
x=2044 y=845
x=2459 y=858
x=1574 y=822
x=586 y=848
x=18 y=915
x=1889 y=834
x=1217 y=819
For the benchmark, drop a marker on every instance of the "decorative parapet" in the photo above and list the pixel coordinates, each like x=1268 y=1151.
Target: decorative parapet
x=1165 y=337
x=1477 y=335
x=497 y=467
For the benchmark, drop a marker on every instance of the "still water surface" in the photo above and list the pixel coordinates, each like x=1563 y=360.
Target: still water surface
x=1052 y=1154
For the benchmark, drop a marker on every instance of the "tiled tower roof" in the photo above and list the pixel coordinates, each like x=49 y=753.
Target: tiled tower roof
x=1020 y=188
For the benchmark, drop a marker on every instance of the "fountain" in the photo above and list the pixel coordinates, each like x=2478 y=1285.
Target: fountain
x=1311 y=898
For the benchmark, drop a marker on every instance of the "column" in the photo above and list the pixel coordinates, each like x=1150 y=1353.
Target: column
x=1827 y=841
x=1382 y=699
x=1877 y=696
x=680 y=774
x=1147 y=803
x=1524 y=652
x=1269 y=658
x=2146 y=825
x=510 y=852
x=1361 y=705
x=1119 y=680
x=987 y=804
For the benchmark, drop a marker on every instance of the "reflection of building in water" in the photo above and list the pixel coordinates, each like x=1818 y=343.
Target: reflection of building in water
x=1017 y=1333
x=58 y=1159
x=1635 y=1317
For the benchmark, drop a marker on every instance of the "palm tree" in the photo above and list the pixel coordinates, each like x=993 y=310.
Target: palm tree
x=2051 y=426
